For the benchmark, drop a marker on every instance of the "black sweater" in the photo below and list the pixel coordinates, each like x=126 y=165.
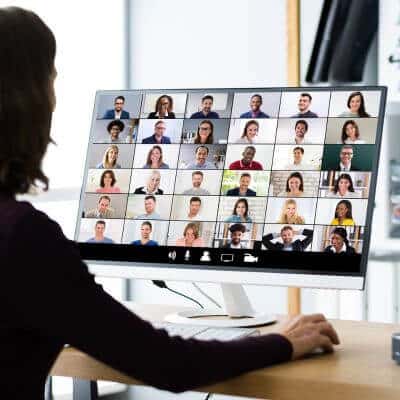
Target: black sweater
x=48 y=298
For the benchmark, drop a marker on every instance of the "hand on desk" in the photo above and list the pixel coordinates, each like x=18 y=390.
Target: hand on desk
x=308 y=333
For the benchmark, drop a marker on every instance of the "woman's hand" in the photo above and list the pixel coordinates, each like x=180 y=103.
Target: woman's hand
x=308 y=333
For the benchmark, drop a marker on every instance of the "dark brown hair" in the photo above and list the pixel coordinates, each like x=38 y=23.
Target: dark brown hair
x=103 y=175
x=27 y=51
x=344 y=128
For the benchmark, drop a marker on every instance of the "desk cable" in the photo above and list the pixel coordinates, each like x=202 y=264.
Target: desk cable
x=163 y=285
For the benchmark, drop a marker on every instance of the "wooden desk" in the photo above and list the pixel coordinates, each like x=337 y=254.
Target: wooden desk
x=361 y=368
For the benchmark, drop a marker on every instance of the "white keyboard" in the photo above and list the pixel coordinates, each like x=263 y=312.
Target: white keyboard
x=204 y=332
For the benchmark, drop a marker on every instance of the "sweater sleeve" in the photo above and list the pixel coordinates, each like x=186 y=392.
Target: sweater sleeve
x=61 y=300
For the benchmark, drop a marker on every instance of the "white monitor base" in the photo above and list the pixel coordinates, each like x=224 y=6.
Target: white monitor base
x=210 y=318
x=238 y=312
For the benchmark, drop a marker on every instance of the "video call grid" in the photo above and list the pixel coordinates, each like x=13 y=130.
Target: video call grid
x=220 y=195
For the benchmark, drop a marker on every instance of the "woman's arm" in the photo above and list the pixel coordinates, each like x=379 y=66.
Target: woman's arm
x=61 y=300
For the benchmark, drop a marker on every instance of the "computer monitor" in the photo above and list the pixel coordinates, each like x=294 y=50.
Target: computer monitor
x=269 y=186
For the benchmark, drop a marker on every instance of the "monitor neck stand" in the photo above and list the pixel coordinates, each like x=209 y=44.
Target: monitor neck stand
x=238 y=312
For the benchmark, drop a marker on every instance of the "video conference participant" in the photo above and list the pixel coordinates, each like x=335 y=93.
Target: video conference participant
x=110 y=158
x=237 y=232
x=355 y=106
x=150 y=203
x=152 y=184
x=201 y=162
x=196 y=189
x=158 y=136
x=99 y=237
x=118 y=112
x=339 y=243
x=240 y=212
x=255 y=108
x=191 y=236
x=289 y=214
x=155 y=158
x=163 y=108
x=294 y=186
x=103 y=209
x=343 y=214
x=247 y=161
x=344 y=188
x=243 y=188
x=346 y=156
x=45 y=315
x=204 y=134
x=107 y=183
x=304 y=105
x=114 y=128
x=250 y=132
x=145 y=233
x=194 y=209
x=206 y=112
x=298 y=165
x=351 y=133
x=288 y=244
x=300 y=131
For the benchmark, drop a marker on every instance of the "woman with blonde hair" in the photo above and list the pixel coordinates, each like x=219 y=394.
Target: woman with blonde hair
x=289 y=214
x=110 y=158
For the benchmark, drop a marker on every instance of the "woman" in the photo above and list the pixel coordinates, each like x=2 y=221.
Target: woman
x=343 y=214
x=163 y=108
x=114 y=128
x=155 y=158
x=60 y=302
x=356 y=107
x=107 y=183
x=339 y=242
x=351 y=133
x=204 y=133
x=152 y=185
x=289 y=213
x=250 y=132
x=191 y=236
x=110 y=158
x=344 y=188
x=240 y=212
x=294 y=186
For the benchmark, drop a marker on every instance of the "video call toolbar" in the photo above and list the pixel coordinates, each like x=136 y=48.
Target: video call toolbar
x=273 y=171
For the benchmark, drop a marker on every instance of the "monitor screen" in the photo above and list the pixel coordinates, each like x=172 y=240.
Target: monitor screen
x=274 y=179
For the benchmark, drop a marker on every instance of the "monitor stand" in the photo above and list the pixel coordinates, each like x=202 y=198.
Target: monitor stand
x=238 y=312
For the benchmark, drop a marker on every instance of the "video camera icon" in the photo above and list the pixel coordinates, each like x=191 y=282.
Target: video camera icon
x=249 y=258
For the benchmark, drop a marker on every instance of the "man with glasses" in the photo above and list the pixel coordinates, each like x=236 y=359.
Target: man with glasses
x=118 y=112
x=346 y=156
x=158 y=136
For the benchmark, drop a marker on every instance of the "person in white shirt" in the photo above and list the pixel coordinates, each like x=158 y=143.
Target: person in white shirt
x=344 y=188
x=194 y=209
x=346 y=156
x=339 y=242
x=351 y=133
x=298 y=165
x=300 y=130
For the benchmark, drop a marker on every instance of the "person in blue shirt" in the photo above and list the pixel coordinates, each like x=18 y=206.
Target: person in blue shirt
x=118 y=112
x=145 y=232
x=206 y=105
x=255 y=108
x=99 y=237
x=158 y=136
x=201 y=162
